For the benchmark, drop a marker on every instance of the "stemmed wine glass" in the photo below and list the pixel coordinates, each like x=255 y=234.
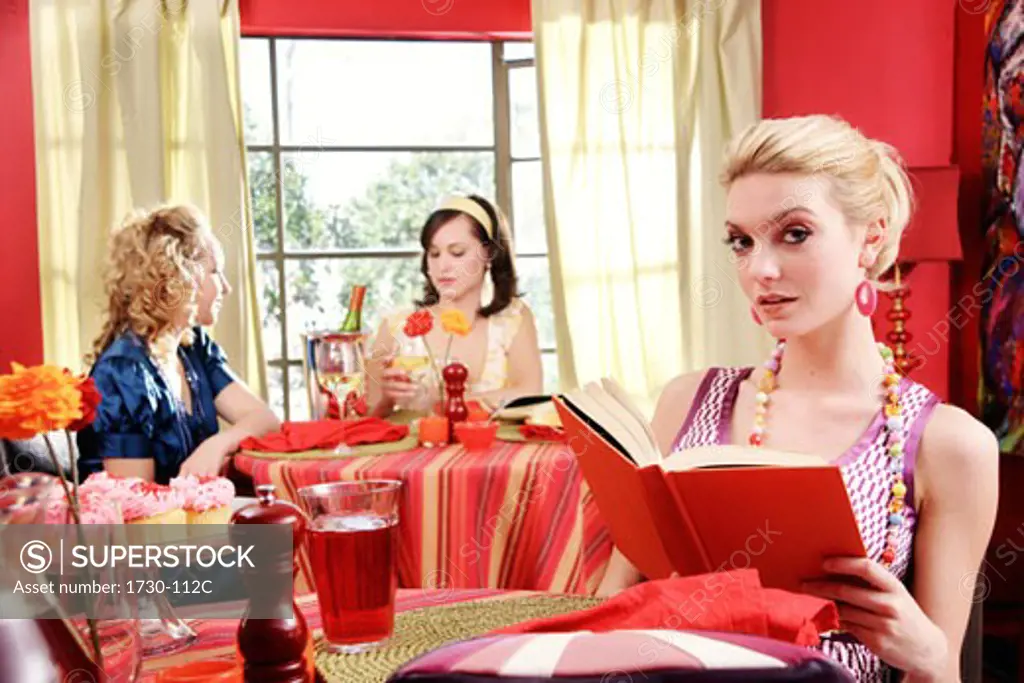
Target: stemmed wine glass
x=414 y=359
x=340 y=369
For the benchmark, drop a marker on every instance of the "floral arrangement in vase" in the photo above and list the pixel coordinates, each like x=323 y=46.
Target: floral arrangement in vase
x=41 y=400
x=44 y=399
x=454 y=322
x=450 y=377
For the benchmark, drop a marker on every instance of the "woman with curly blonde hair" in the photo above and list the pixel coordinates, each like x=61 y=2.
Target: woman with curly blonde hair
x=164 y=381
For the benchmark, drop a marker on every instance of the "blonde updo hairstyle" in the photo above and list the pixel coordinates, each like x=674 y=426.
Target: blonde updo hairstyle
x=152 y=274
x=866 y=178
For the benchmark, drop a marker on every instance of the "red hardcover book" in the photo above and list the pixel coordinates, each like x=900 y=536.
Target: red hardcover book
x=706 y=509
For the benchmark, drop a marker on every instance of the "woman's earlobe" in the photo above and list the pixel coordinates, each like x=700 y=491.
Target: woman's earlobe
x=875 y=233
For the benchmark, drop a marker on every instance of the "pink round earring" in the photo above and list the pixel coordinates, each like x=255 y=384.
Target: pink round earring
x=867 y=298
x=754 y=315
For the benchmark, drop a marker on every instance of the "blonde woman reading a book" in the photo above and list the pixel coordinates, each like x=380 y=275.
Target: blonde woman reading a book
x=815 y=211
x=467 y=265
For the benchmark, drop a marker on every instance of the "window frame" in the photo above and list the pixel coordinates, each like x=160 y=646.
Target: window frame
x=281 y=255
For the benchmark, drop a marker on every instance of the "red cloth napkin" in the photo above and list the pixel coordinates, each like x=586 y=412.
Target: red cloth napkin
x=322 y=434
x=542 y=433
x=731 y=601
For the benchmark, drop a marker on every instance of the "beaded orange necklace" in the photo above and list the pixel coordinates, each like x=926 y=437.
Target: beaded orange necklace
x=894 y=438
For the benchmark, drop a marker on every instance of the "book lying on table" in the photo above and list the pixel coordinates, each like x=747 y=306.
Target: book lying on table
x=710 y=508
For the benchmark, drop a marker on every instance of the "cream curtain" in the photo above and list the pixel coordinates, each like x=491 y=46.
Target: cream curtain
x=137 y=103
x=637 y=101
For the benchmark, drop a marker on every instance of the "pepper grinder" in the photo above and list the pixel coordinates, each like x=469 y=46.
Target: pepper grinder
x=455 y=376
x=275 y=650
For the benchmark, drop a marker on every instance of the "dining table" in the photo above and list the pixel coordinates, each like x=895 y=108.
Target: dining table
x=424 y=620
x=515 y=516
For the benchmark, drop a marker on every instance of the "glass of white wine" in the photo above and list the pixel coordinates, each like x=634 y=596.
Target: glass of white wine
x=340 y=370
x=414 y=359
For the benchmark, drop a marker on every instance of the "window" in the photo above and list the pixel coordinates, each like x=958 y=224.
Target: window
x=351 y=143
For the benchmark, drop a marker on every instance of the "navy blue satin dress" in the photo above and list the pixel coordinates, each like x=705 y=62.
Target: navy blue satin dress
x=139 y=416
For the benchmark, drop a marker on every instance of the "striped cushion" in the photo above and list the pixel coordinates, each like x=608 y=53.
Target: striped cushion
x=615 y=656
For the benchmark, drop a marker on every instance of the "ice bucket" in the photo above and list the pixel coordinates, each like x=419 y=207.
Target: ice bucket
x=317 y=393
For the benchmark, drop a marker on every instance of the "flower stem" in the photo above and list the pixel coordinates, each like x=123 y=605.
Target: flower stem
x=4 y=459
x=72 y=499
x=437 y=373
x=74 y=464
x=448 y=349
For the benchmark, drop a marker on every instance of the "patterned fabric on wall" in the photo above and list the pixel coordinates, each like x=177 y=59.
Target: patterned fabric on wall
x=1001 y=393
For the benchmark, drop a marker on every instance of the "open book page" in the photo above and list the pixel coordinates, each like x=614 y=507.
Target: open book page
x=620 y=395
x=729 y=455
x=628 y=418
x=620 y=423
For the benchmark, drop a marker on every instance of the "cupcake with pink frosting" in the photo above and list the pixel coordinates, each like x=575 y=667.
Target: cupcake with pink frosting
x=207 y=500
x=141 y=502
x=149 y=503
x=104 y=484
x=93 y=508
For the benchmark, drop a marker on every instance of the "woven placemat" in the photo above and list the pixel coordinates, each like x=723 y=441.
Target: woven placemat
x=405 y=444
x=422 y=630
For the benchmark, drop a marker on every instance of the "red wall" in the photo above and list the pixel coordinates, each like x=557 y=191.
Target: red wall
x=22 y=338
x=887 y=67
x=968 y=82
x=463 y=19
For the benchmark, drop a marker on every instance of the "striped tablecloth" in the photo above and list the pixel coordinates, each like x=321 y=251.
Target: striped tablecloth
x=518 y=517
x=216 y=637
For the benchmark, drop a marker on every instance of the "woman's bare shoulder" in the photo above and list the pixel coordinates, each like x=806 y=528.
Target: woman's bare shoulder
x=683 y=387
x=957 y=452
x=673 y=405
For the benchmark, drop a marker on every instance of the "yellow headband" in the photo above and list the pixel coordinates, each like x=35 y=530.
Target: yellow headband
x=471 y=208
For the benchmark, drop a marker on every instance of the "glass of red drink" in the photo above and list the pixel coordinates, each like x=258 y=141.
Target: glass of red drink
x=351 y=542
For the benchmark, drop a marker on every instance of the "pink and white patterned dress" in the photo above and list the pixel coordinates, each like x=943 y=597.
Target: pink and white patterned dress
x=866 y=472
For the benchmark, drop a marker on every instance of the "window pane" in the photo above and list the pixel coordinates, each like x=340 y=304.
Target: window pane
x=352 y=200
x=535 y=284
x=384 y=93
x=522 y=91
x=255 y=70
x=521 y=50
x=549 y=361
x=263 y=185
x=297 y=397
x=275 y=391
x=528 y=207
x=318 y=292
x=270 y=309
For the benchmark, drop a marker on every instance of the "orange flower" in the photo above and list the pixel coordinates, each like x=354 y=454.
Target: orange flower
x=39 y=399
x=454 y=322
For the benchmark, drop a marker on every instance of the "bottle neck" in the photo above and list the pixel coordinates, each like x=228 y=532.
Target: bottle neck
x=354 y=319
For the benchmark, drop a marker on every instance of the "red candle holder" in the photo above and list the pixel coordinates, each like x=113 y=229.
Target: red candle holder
x=434 y=431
